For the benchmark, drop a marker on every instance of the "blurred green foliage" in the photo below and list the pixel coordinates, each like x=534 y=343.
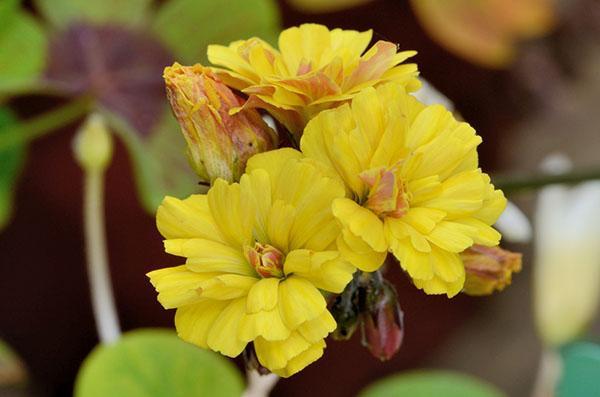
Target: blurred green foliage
x=111 y=63
x=188 y=26
x=11 y=160
x=431 y=384
x=156 y=363
x=62 y=13
x=580 y=371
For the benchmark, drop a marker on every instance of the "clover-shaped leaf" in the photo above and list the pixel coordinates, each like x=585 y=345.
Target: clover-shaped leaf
x=154 y=362
x=431 y=384
x=23 y=47
x=62 y=13
x=188 y=26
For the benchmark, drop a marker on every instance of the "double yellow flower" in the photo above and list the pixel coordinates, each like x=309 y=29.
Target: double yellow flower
x=378 y=172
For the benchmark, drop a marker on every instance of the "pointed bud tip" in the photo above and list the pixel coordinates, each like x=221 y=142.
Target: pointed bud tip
x=489 y=269
x=382 y=322
x=92 y=145
x=219 y=139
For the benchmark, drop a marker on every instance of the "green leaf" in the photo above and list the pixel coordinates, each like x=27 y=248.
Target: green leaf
x=159 y=161
x=581 y=370
x=188 y=26
x=23 y=46
x=12 y=159
x=431 y=384
x=153 y=362
x=62 y=13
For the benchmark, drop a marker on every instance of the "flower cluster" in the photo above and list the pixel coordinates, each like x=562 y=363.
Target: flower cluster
x=377 y=172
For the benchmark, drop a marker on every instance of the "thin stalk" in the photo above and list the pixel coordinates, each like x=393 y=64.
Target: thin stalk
x=37 y=87
x=549 y=371
x=103 y=304
x=45 y=123
x=520 y=184
x=259 y=385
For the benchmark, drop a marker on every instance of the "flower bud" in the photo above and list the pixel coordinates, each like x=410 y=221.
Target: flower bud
x=219 y=143
x=382 y=321
x=266 y=260
x=93 y=145
x=488 y=269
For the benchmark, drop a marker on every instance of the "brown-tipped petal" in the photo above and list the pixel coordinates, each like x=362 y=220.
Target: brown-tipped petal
x=489 y=269
x=219 y=141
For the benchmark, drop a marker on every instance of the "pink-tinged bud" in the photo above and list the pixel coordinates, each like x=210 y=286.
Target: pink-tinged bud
x=219 y=143
x=382 y=322
x=387 y=194
x=489 y=269
x=266 y=260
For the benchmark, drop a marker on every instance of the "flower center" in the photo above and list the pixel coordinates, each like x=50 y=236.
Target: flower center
x=387 y=193
x=266 y=259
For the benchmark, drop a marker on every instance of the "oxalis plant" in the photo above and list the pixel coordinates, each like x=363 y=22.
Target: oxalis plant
x=310 y=168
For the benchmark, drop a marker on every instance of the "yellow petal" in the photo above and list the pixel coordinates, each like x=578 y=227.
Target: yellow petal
x=234 y=216
x=318 y=328
x=416 y=263
x=266 y=324
x=177 y=286
x=226 y=286
x=359 y=253
x=452 y=236
x=256 y=187
x=305 y=42
x=302 y=360
x=361 y=222
x=194 y=322
x=325 y=270
x=189 y=218
x=209 y=256
x=280 y=221
x=223 y=335
x=275 y=355
x=299 y=301
x=272 y=161
x=263 y=295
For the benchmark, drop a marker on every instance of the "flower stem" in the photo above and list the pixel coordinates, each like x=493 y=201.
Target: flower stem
x=520 y=184
x=259 y=385
x=105 y=313
x=548 y=373
x=45 y=123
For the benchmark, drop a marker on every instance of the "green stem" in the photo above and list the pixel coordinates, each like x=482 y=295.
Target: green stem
x=520 y=184
x=45 y=123
x=36 y=87
x=105 y=313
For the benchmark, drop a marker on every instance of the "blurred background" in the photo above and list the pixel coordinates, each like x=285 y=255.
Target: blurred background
x=525 y=74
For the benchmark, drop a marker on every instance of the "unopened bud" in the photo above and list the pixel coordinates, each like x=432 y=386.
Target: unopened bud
x=489 y=269
x=92 y=144
x=219 y=143
x=382 y=321
x=266 y=260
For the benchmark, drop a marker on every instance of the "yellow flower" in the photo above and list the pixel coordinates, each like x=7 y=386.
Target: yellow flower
x=258 y=252
x=314 y=69
x=416 y=190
